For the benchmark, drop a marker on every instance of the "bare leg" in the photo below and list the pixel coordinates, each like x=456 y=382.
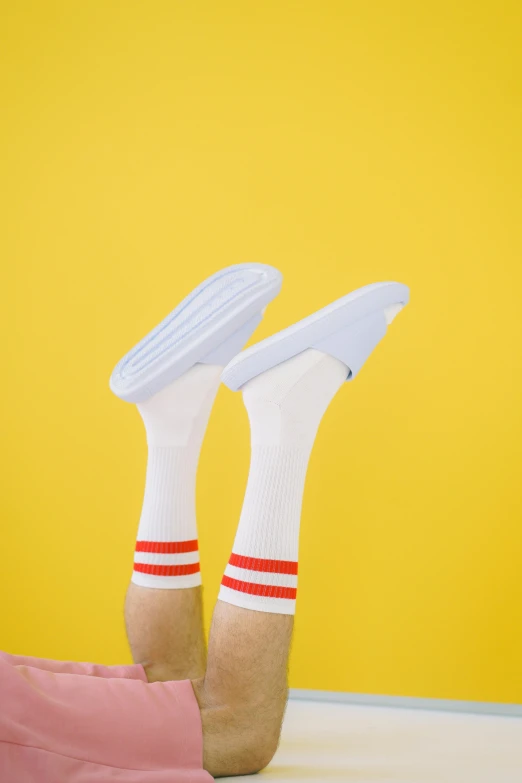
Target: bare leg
x=163 y=608
x=165 y=632
x=243 y=695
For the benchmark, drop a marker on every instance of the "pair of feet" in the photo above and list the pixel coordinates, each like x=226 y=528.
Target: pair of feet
x=287 y=381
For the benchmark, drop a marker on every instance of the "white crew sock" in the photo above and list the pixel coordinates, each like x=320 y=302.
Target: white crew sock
x=175 y=421
x=285 y=405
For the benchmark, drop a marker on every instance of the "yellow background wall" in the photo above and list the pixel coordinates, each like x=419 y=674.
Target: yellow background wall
x=144 y=146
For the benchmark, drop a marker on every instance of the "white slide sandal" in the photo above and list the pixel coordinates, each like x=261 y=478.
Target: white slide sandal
x=348 y=329
x=211 y=325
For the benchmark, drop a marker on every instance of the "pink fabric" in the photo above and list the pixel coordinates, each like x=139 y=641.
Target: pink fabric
x=85 y=723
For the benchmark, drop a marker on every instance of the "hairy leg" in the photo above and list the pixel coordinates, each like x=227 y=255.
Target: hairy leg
x=165 y=632
x=163 y=609
x=243 y=695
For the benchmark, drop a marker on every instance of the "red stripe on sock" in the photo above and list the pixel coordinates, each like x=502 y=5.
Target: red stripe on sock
x=167 y=547
x=167 y=570
x=271 y=591
x=257 y=564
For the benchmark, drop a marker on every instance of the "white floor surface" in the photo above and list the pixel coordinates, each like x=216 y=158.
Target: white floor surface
x=343 y=742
